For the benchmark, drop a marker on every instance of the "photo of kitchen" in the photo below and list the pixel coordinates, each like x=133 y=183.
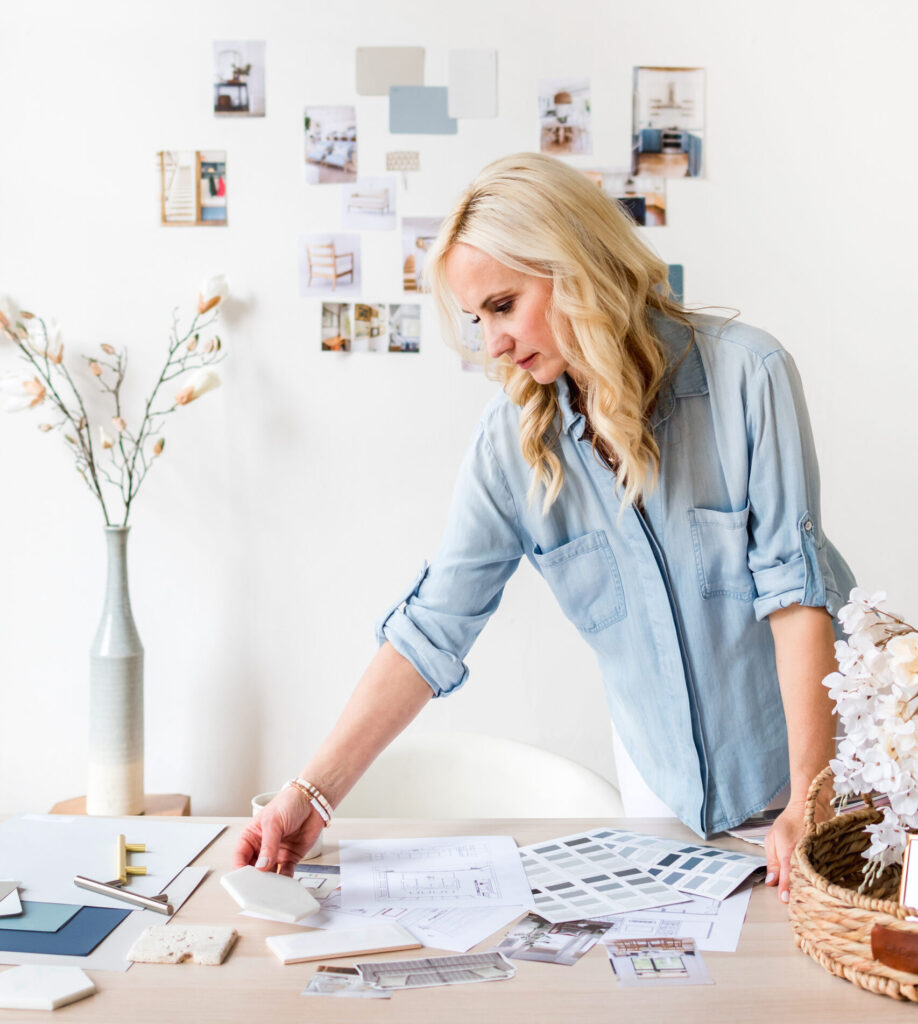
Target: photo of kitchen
x=643 y=197
x=668 y=122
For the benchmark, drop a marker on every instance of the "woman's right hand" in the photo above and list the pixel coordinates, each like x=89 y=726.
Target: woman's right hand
x=280 y=835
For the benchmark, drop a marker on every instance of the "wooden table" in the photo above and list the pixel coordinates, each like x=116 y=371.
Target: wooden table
x=766 y=980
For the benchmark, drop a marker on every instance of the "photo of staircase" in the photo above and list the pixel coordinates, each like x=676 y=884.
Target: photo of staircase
x=192 y=187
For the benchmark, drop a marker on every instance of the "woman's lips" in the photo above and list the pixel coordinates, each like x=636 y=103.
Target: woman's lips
x=524 y=364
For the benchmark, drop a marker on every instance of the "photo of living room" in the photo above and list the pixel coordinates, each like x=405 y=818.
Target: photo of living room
x=331 y=145
x=369 y=204
x=192 y=186
x=336 y=327
x=405 y=328
x=329 y=264
x=668 y=122
x=642 y=196
x=369 y=328
x=564 y=116
x=418 y=235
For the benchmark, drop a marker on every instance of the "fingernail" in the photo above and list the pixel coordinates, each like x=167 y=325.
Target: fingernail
x=262 y=862
x=770 y=877
x=785 y=896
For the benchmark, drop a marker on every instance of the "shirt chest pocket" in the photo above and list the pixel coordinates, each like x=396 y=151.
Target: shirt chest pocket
x=721 y=544
x=584 y=577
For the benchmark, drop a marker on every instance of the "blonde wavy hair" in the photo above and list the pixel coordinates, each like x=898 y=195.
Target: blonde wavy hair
x=540 y=216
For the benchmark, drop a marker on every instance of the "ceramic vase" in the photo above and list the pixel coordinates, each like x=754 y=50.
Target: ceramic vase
x=115 y=781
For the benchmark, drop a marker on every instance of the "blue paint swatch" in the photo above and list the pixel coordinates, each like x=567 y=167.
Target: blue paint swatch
x=420 y=110
x=78 y=937
x=40 y=917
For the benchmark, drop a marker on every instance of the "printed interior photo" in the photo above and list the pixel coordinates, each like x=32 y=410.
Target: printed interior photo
x=369 y=327
x=331 y=145
x=534 y=938
x=192 y=186
x=418 y=235
x=473 y=357
x=405 y=328
x=667 y=135
x=369 y=204
x=329 y=264
x=564 y=116
x=337 y=324
x=643 y=197
x=239 y=78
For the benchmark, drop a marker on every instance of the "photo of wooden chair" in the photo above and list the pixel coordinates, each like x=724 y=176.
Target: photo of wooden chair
x=324 y=262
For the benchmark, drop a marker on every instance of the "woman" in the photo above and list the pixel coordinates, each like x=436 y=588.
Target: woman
x=657 y=468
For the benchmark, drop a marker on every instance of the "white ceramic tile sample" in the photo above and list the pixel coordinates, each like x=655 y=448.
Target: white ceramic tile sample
x=276 y=896
x=43 y=988
x=326 y=945
x=10 y=905
x=472 y=82
x=175 y=943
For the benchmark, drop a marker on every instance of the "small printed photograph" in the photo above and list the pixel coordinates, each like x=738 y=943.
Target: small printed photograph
x=337 y=327
x=667 y=135
x=652 y=962
x=418 y=235
x=331 y=145
x=564 y=116
x=369 y=204
x=239 y=78
x=329 y=264
x=643 y=197
x=342 y=981
x=369 y=327
x=534 y=938
x=192 y=186
x=405 y=328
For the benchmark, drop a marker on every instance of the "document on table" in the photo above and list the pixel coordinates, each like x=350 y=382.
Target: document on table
x=453 y=871
x=715 y=925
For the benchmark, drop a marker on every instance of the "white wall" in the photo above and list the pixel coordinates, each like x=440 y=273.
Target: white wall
x=292 y=504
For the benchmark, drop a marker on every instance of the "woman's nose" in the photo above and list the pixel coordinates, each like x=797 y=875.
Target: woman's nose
x=497 y=342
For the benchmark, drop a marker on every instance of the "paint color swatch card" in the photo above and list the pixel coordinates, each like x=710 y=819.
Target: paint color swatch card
x=575 y=877
x=688 y=867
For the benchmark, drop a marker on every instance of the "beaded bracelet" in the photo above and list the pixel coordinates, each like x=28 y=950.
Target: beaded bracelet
x=322 y=807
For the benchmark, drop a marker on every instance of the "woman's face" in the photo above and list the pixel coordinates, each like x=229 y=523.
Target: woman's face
x=512 y=308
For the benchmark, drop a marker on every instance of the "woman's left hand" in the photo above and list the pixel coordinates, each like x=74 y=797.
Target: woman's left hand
x=782 y=837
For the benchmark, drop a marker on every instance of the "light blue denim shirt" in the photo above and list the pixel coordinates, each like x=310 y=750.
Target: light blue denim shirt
x=674 y=600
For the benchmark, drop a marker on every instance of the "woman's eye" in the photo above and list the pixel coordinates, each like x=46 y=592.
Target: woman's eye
x=476 y=319
x=504 y=307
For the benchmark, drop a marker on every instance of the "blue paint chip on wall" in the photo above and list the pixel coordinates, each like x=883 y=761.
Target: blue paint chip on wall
x=420 y=110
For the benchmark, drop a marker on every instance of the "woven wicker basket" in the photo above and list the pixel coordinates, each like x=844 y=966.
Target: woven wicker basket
x=831 y=920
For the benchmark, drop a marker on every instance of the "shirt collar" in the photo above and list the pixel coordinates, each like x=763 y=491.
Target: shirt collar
x=683 y=379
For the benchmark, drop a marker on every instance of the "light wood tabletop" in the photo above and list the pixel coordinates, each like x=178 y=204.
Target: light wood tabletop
x=767 y=979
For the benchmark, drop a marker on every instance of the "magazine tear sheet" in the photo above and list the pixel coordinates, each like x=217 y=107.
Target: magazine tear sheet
x=457 y=871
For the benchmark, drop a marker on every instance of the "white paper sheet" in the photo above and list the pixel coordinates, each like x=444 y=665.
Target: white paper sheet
x=110 y=954
x=10 y=905
x=46 y=851
x=715 y=925
x=472 y=82
x=452 y=871
x=575 y=878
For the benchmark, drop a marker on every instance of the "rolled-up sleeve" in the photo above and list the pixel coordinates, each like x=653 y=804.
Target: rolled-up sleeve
x=789 y=557
x=435 y=622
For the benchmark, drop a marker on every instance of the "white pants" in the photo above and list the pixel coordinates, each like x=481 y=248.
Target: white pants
x=640 y=801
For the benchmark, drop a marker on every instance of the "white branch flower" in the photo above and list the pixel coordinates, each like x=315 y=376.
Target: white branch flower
x=18 y=392
x=202 y=382
x=45 y=339
x=212 y=291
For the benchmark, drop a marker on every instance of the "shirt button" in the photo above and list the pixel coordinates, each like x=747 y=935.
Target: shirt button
x=808 y=525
